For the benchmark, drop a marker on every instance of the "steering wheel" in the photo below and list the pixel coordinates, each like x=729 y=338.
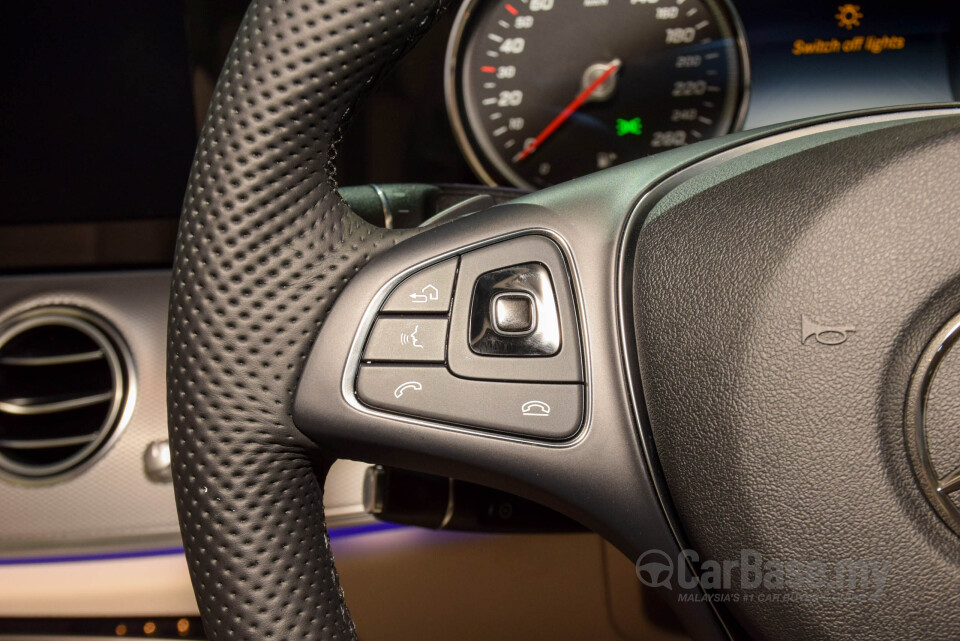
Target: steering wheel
x=732 y=360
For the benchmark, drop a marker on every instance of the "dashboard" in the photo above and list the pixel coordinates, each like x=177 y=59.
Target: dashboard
x=109 y=100
x=523 y=93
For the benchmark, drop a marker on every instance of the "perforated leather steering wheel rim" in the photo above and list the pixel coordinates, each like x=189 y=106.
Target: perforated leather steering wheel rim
x=265 y=245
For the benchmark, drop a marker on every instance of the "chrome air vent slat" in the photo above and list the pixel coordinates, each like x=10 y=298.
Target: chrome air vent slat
x=49 y=443
x=63 y=385
x=34 y=406
x=62 y=359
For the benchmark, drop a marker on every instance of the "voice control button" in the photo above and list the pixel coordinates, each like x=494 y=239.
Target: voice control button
x=408 y=339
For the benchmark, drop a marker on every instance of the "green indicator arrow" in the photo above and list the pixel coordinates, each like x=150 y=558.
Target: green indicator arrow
x=633 y=126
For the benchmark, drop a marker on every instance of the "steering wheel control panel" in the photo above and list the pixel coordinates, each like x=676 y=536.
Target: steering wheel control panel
x=487 y=339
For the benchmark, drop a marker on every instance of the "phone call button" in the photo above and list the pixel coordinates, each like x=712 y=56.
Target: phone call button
x=548 y=411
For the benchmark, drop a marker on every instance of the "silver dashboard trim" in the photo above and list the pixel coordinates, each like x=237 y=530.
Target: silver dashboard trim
x=108 y=504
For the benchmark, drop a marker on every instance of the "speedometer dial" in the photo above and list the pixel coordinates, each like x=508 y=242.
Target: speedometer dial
x=541 y=91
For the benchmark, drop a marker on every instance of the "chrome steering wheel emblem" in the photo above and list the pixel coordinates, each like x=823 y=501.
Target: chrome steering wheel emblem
x=928 y=416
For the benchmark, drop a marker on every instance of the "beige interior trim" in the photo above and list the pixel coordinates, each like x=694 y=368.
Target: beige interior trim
x=150 y=586
x=400 y=584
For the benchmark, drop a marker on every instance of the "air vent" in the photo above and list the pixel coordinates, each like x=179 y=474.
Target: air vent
x=63 y=386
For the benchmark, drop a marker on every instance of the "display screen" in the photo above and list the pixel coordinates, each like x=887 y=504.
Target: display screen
x=826 y=56
x=96 y=112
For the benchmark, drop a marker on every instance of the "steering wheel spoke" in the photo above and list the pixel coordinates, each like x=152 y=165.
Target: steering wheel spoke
x=465 y=351
x=950 y=483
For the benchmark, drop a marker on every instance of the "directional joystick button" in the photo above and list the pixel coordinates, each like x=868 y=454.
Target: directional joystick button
x=514 y=313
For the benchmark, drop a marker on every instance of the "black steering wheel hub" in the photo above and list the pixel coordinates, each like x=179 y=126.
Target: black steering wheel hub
x=795 y=287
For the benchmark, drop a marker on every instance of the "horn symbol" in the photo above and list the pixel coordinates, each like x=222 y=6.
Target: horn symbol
x=825 y=335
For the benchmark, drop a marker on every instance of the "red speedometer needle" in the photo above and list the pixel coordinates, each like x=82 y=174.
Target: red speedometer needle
x=568 y=111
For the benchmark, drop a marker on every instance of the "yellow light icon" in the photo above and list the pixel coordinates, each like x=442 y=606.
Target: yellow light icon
x=848 y=16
